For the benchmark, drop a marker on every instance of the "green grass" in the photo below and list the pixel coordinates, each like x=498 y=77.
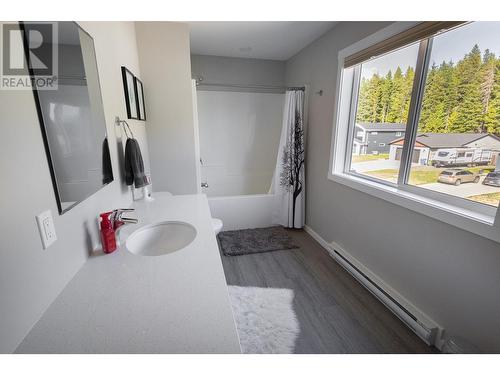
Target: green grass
x=369 y=157
x=492 y=199
x=484 y=168
x=418 y=175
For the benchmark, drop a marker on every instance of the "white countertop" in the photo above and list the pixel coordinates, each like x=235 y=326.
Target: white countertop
x=126 y=303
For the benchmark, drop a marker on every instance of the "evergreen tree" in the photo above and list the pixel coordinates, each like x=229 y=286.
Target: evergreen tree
x=386 y=92
x=398 y=97
x=462 y=97
x=487 y=84
x=408 y=86
x=470 y=108
x=492 y=116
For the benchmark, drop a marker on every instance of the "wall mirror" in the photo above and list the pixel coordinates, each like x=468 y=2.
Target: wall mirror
x=72 y=116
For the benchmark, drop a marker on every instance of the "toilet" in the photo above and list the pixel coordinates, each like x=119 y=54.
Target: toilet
x=217 y=225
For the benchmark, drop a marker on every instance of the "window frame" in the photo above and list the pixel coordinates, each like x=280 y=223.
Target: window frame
x=468 y=215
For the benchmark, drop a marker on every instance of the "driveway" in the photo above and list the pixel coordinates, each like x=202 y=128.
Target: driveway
x=463 y=190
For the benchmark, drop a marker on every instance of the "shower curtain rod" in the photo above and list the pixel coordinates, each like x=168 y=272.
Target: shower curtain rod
x=263 y=87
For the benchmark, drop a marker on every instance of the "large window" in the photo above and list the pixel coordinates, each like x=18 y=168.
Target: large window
x=385 y=86
x=420 y=114
x=457 y=144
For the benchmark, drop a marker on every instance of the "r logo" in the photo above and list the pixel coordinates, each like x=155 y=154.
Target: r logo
x=41 y=42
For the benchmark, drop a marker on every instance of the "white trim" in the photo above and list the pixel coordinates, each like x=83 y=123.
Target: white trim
x=424 y=324
x=470 y=221
x=473 y=217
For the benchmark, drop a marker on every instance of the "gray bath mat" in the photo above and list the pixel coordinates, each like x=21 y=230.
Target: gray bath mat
x=252 y=241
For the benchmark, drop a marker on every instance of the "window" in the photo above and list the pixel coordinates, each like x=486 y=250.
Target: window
x=443 y=87
x=384 y=87
x=461 y=101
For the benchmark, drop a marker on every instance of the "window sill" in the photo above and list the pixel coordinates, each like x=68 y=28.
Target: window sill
x=474 y=222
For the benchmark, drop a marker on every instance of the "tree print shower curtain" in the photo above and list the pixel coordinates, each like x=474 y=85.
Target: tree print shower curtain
x=288 y=185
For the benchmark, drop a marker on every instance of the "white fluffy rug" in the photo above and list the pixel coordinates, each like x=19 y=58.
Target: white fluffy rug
x=265 y=319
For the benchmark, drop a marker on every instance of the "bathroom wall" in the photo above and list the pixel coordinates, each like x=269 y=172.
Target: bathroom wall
x=232 y=70
x=163 y=49
x=448 y=273
x=30 y=277
x=239 y=127
x=239 y=137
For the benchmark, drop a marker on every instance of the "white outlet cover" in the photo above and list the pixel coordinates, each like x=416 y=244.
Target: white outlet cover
x=46 y=228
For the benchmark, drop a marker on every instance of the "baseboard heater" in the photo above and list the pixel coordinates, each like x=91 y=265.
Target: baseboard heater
x=426 y=333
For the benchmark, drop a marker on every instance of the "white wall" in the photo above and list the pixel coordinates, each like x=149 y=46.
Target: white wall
x=30 y=278
x=450 y=274
x=239 y=137
x=231 y=70
x=166 y=75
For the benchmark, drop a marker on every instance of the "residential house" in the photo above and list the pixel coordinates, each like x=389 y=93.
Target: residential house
x=375 y=138
x=426 y=144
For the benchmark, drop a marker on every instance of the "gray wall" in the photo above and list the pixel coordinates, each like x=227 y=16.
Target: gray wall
x=450 y=274
x=232 y=70
x=31 y=278
x=165 y=64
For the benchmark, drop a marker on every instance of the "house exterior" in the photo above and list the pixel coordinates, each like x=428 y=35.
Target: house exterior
x=426 y=145
x=375 y=138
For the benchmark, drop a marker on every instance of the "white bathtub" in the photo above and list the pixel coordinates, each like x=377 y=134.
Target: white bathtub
x=243 y=211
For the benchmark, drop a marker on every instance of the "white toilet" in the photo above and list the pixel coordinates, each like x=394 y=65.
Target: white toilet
x=217 y=225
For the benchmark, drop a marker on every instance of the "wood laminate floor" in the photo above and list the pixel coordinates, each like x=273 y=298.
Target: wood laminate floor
x=336 y=314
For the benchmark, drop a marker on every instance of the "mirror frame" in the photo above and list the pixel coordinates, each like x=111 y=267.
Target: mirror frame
x=42 y=123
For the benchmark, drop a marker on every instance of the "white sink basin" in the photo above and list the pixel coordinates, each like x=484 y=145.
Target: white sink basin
x=160 y=238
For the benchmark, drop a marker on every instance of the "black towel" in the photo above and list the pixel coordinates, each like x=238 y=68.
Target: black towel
x=107 y=169
x=134 y=166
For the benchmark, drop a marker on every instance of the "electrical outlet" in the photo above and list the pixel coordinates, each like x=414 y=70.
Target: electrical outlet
x=46 y=228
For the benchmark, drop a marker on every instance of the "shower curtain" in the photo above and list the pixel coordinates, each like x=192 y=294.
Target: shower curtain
x=288 y=184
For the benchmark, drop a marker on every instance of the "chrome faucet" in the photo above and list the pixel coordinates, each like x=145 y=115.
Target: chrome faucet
x=118 y=220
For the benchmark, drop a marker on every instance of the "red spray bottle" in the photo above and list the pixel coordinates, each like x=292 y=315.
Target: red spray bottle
x=108 y=237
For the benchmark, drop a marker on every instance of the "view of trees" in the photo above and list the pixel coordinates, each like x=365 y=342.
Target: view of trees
x=459 y=97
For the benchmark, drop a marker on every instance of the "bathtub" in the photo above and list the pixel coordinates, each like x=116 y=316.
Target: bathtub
x=243 y=211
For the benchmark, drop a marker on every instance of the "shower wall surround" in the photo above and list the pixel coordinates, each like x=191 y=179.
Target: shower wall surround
x=239 y=136
x=239 y=127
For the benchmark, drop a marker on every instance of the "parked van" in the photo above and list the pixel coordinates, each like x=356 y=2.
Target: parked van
x=445 y=157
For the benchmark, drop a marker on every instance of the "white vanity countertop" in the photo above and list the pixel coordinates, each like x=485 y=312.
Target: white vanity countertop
x=126 y=303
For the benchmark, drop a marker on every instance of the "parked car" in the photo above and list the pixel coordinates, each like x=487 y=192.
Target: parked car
x=457 y=176
x=492 y=178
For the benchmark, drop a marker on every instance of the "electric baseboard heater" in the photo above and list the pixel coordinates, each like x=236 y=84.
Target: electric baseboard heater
x=426 y=333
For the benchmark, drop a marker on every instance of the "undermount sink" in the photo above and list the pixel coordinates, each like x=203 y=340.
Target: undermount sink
x=161 y=238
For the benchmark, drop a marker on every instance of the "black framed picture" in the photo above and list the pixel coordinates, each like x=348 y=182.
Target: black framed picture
x=139 y=93
x=130 y=93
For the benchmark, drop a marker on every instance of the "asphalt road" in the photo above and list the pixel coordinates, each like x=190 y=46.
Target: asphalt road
x=463 y=190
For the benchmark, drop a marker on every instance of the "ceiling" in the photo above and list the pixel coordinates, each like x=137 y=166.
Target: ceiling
x=258 y=40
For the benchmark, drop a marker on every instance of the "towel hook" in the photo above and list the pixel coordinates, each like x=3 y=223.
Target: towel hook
x=119 y=122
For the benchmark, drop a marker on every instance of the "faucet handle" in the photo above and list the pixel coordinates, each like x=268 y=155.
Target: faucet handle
x=120 y=211
x=129 y=220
